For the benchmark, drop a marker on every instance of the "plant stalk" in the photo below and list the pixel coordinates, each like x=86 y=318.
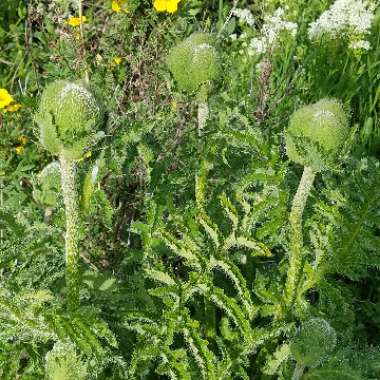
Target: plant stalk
x=203 y=109
x=203 y=114
x=68 y=173
x=296 y=234
x=83 y=47
x=234 y=5
x=2 y=207
x=298 y=372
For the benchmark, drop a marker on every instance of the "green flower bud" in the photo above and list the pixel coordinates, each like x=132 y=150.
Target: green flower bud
x=317 y=133
x=315 y=339
x=68 y=117
x=194 y=62
x=63 y=363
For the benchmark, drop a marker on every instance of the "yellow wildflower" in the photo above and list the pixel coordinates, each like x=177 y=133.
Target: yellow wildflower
x=116 y=6
x=20 y=149
x=5 y=98
x=117 y=60
x=23 y=140
x=13 y=107
x=119 y=5
x=169 y=6
x=86 y=155
x=75 y=21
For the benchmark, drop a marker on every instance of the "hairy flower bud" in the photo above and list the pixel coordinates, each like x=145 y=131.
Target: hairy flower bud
x=194 y=62
x=68 y=117
x=63 y=363
x=315 y=339
x=317 y=133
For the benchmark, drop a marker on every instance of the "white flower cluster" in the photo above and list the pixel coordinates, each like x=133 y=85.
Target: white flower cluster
x=352 y=18
x=360 y=45
x=244 y=15
x=273 y=26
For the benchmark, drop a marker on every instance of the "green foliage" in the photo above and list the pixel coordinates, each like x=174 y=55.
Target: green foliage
x=35 y=318
x=48 y=185
x=180 y=245
x=279 y=358
x=356 y=246
x=88 y=187
x=204 y=271
x=330 y=374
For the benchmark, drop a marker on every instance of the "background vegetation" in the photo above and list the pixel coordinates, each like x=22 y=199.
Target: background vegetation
x=184 y=232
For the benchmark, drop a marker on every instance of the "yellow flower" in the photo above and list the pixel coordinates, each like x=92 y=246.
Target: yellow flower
x=86 y=155
x=5 y=98
x=119 y=5
x=23 y=140
x=13 y=107
x=20 y=149
x=172 y=6
x=75 y=21
x=117 y=60
x=169 y=6
x=116 y=6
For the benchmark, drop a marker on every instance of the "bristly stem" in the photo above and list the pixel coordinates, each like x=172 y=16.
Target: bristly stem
x=203 y=113
x=68 y=173
x=296 y=235
x=298 y=372
x=203 y=109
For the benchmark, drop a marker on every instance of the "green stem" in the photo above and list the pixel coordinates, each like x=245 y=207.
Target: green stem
x=296 y=235
x=203 y=109
x=83 y=47
x=228 y=17
x=220 y=12
x=298 y=372
x=68 y=171
x=203 y=113
x=2 y=207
